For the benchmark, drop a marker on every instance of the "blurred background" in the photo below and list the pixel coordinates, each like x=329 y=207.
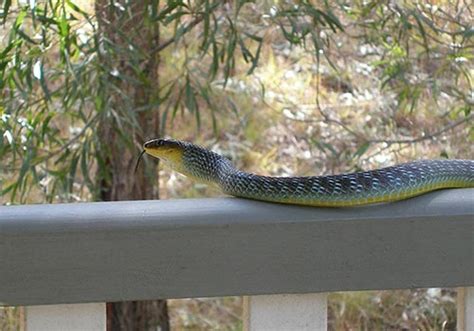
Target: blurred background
x=279 y=87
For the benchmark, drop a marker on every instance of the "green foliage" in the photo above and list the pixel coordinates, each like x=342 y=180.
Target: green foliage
x=43 y=96
x=58 y=73
x=57 y=87
x=62 y=78
x=420 y=52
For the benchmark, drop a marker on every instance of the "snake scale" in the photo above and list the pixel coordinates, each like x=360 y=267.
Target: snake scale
x=382 y=185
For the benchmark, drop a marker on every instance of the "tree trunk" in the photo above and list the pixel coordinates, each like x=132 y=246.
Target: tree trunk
x=127 y=42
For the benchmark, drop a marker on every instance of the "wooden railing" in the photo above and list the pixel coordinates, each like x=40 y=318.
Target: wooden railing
x=284 y=257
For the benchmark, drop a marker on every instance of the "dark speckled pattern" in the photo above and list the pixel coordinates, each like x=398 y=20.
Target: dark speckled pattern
x=381 y=185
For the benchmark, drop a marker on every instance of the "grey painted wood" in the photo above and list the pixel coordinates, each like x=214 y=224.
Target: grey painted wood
x=75 y=317
x=283 y=312
x=465 y=309
x=92 y=252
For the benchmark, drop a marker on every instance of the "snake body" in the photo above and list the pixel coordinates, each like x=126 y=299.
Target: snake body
x=382 y=185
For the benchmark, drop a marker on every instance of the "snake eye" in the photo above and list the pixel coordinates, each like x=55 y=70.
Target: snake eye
x=153 y=143
x=165 y=143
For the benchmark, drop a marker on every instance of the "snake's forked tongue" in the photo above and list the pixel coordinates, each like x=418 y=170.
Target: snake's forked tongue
x=138 y=161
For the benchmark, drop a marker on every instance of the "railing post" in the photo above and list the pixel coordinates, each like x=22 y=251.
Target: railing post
x=465 y=303
x=72 y=317
x=298 y=312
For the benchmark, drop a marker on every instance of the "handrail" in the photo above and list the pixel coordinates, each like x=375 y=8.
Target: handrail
x=133 y=250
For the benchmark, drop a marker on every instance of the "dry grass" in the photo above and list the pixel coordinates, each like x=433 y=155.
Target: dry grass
x=286 y=132
x=206 y=314
x=10 y=318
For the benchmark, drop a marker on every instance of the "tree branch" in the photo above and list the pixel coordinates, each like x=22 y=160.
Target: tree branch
x=326 y=118
x=425 y=137
x=171 y=40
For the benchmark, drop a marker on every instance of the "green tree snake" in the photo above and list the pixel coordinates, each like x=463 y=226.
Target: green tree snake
x=359 y=188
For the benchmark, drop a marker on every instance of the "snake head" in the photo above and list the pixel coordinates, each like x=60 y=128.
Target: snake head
x=188 y=159
x=170 y=151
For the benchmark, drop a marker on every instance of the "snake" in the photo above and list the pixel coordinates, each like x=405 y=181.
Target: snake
x=387 y=184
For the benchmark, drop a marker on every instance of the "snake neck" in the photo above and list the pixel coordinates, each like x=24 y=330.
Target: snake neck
x=206 y=166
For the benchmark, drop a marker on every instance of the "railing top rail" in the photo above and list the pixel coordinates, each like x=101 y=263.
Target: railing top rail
x=132 y=250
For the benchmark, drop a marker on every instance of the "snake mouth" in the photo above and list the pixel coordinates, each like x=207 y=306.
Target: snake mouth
x=168 y=150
